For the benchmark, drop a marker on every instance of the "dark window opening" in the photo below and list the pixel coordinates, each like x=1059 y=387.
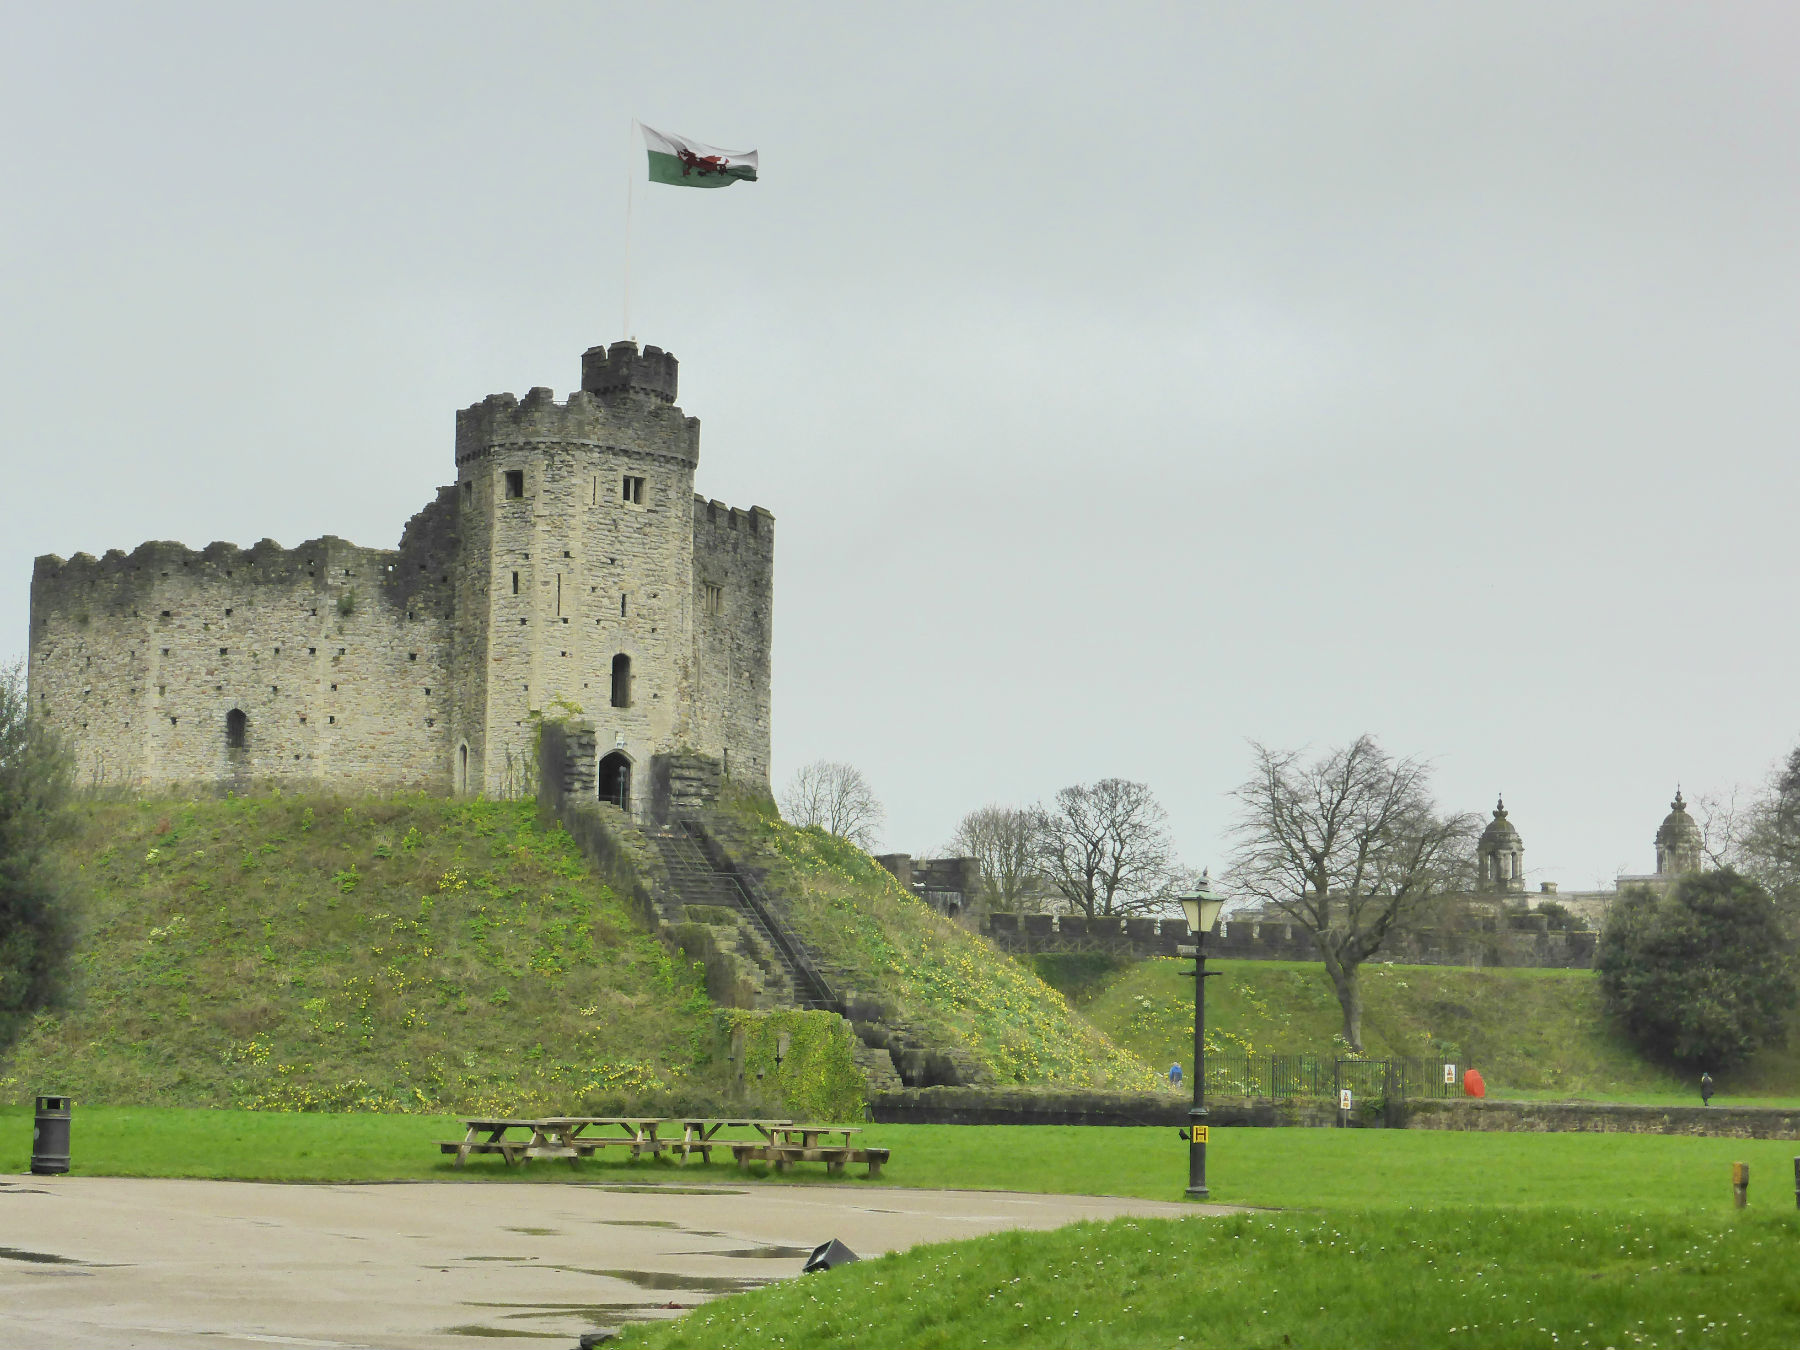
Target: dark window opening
x=237 y=727
x=615 y=780
x=468 y=489
x=621 y=606
x=621 y=681
x=515 y=483
x=515 y=583
x=712 y=598
x=632 y=490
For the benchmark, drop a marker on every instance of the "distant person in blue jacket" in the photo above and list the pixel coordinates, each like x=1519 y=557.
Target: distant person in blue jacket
x=1174 y=1073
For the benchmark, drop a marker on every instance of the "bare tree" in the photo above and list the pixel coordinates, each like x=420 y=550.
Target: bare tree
x=836 y=798
x=1105 y=846
x=1003 y=840
x=1766 y=840
x=1346 y=847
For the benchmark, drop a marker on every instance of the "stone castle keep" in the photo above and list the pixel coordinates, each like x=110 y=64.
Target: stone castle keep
x=570 y=567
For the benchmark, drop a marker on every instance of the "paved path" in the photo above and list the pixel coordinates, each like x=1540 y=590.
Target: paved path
x=98 y=1261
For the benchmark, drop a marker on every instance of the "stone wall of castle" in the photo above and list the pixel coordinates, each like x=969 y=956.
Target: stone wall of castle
x=733 y=600
x=337 y=658
x=571 y=541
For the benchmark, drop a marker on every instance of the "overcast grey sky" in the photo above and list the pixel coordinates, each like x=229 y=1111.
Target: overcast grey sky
x=1126 y=381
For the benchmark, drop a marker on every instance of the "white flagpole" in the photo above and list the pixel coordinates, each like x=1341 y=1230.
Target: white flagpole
x=630 y=177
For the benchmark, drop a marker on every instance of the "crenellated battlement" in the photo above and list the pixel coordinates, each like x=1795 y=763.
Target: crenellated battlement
x=714 y=516
x=502 y=420
x=621 y=369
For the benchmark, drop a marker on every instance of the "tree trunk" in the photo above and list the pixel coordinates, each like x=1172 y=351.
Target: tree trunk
x=1348 y=983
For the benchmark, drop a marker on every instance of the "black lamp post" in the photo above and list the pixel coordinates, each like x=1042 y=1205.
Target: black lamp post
x=1202 y=910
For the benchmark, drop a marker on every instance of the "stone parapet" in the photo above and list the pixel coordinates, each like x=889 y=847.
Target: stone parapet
x=1516 y=940
x=1724 y=1122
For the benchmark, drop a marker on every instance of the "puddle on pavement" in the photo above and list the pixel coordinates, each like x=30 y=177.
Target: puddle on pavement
x=505 y=1331
x=662 y=1279
x=600 y=1314
x=670 y=1190
x=37 y=1258
x=774 y=1253
x=535 y=1232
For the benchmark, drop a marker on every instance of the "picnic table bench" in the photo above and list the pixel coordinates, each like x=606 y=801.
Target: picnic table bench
x=784 y=1145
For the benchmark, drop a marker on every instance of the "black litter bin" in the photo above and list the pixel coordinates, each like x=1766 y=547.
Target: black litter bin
x=50 y=1137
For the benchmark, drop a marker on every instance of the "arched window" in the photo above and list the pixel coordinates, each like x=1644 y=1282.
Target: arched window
x=462 y=768
x=621 y=681
x=237 y=726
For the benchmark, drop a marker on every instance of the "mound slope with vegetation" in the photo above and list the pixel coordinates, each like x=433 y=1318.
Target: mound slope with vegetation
x=397 y=954
x=1531 y=1032
x=882 y=943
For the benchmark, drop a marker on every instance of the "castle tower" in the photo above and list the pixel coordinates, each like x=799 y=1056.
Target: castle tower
x=1500 y=855
x=586 y=585
x=1678 y=841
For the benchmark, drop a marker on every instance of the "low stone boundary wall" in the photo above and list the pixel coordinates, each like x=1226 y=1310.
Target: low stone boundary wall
x=1724 y=1122
x=1516 y=940
x=977 y=1106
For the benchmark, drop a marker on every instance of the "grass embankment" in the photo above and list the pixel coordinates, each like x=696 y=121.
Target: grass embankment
x=1452 y=1277
x=937 y=974
x=381 y=954
x=1533 y=1033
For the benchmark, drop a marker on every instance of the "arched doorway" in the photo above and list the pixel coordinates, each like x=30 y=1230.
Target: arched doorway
x=615 y=780
x=237 y=729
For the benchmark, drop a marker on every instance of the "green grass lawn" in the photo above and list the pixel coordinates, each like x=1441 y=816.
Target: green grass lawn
x=1532 y=1033
x=1287 y=1169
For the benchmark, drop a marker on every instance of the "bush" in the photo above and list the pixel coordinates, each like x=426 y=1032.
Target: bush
x=1700 y=975
x=35 y=776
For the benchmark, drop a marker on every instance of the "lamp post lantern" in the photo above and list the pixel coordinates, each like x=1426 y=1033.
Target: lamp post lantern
x=1202 y=909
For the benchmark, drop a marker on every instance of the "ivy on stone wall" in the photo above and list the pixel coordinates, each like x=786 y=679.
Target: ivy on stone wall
x=816 y=1078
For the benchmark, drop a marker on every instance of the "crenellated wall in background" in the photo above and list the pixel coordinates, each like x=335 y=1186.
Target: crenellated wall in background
x=1515 y=940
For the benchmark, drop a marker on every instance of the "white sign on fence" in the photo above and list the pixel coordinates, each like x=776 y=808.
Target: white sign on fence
x=1449 y=1075
x=1344 y=1099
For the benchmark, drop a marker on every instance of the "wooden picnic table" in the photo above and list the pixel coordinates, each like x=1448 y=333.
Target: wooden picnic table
x=781 y=1142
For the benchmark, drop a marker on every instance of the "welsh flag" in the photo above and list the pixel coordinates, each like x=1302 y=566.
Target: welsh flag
x=684 y=163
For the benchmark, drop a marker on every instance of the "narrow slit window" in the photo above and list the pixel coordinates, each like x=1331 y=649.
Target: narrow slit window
x=621 y=606
x=559 y=592
x=515 y=483
x=633 y=490
x=515 y=583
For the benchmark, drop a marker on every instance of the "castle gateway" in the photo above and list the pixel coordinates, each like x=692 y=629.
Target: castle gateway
x=570 y=569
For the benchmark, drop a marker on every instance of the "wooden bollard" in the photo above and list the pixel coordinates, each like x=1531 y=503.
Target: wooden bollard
x=1740 y=1184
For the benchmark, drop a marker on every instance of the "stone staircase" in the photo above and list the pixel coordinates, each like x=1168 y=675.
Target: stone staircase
x=788 y=978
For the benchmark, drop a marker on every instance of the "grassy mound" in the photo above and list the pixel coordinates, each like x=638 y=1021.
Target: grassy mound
x=391 y=954
x=940 y=976
x=1531 y=1032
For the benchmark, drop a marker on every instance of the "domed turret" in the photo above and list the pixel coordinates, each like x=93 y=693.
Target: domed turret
x=1500 y=856
x=1678 y=841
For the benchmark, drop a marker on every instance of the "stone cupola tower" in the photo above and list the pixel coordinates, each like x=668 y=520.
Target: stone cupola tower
x=1678 y=842
x=1500 y=856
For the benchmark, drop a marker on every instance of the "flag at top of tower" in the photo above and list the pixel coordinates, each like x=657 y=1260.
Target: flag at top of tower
x=685 y=163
